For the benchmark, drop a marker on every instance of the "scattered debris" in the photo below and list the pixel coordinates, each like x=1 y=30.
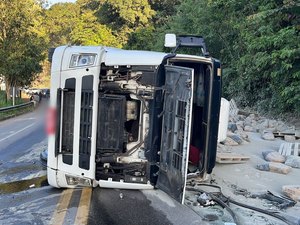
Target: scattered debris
x=225 y=202
x=292 y=191
x=273 y=156
x=196 y=204
x=289 y=138
x=236 y=138
x=231 y=158
x=232 y=127
x=279 y=168
x=274 y=167
x=240 y=120
x=293 y=161
x=268 y=136
x=289 y=135
x=278 y=201
x=210 y=217
x=205 y=200
x=297 y=134
x=240 y=126
x=230 y=142
x=249 y=128
x=289 y=149
x=243 y=135
x=240 y=191
x=223 y=148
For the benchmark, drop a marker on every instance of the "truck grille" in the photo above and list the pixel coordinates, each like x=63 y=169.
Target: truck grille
x=85 y=128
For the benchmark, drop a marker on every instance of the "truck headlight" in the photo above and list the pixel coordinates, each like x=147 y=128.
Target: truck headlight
x=80 y=60
x=78 y=181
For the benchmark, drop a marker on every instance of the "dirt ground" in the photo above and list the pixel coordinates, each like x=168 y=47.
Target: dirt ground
x=245 y=176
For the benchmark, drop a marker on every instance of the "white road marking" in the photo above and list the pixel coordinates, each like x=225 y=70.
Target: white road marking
x=13 y=134
x=29 y=118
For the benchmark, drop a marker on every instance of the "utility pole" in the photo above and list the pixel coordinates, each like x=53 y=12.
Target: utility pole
x=14 y=94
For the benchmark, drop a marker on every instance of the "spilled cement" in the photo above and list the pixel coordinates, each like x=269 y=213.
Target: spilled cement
x=24 y=167
x=21 y=185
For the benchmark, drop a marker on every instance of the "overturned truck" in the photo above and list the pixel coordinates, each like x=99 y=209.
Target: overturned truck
x=128 y=119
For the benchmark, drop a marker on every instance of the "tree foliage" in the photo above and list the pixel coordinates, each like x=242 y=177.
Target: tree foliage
x=60 y=21
x=130 y=14
x=21 y=45
x=125 y=16
x=257 y=41
x=69 y=23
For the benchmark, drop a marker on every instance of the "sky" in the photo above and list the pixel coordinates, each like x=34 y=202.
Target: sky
x=56 y=1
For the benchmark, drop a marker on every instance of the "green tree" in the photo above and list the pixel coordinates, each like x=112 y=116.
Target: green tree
x=151 y=37
x=21 y=46
x=270 y=65
x=76 y=23
x=60 y=21
x=141 y=39
x=258 y=43
x=88 y=31
x=164 y=10
x=125 y=16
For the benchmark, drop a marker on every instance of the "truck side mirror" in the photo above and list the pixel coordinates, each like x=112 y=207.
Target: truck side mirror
x=170 y=41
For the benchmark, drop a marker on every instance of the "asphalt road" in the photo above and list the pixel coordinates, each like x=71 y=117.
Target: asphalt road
x=148 y=207
x=19 y=134
x=21 y=140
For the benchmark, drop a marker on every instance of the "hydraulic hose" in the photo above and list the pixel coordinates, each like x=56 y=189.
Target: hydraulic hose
x=262 y=211
x=220 y=202
x=224 y=205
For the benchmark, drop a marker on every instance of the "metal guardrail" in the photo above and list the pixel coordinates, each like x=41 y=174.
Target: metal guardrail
x=11 y=111
x=8 y=108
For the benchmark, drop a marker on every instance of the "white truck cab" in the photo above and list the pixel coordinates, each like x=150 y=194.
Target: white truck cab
x=128 y=119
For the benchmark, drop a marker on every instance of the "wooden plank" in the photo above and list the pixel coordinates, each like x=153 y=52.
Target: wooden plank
x=296 y=149
x=282 y=134
x=278 y=134
x=289 y=149
x=231 y=158
x=288 y=133
x=297 y=134
x=281 y=149
x=284 y=149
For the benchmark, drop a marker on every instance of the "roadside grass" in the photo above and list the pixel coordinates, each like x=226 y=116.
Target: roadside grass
x=13 y=112
x=4 y=103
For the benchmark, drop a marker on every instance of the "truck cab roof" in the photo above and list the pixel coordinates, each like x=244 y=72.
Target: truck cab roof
x=117 y=57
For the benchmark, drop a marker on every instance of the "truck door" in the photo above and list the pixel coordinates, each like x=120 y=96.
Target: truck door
x=176 y=128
